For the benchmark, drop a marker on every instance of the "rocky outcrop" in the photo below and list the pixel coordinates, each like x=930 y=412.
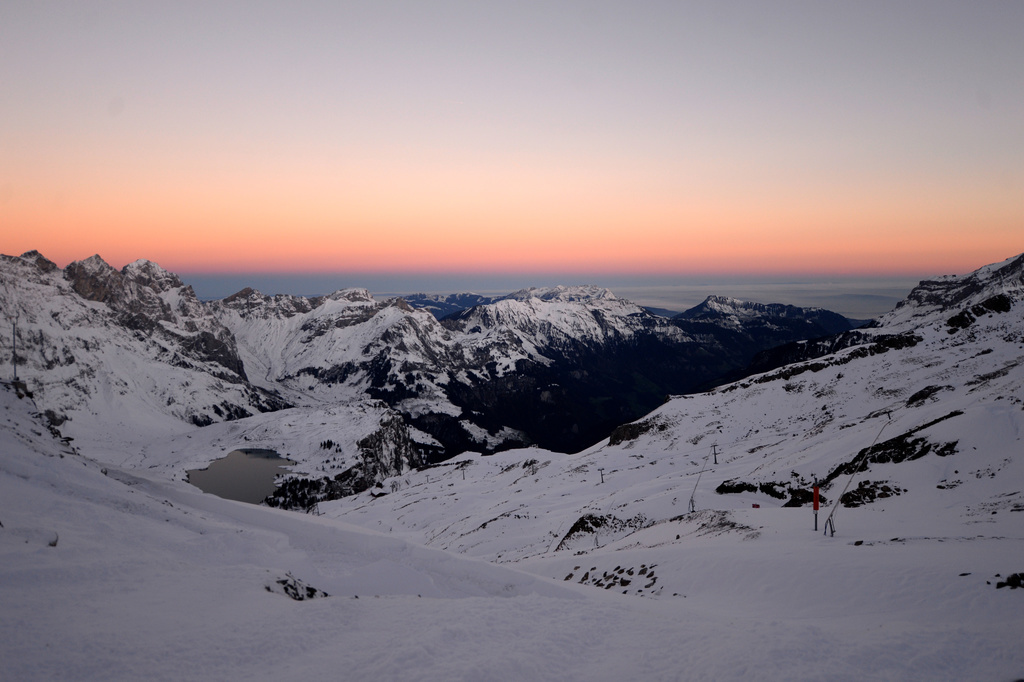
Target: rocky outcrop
x=94 y=280
x=387 y=452
x=952 y=292
x=99 y=339
x=42 y=263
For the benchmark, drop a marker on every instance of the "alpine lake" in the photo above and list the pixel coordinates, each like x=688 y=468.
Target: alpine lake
x=246 y=475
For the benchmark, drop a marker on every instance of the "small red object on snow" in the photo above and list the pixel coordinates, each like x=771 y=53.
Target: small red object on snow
x=756 y=506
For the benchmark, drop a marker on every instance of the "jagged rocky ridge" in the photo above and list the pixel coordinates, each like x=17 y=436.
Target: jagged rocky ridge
x=559 y=366
x=988 y=290
x=123 y=346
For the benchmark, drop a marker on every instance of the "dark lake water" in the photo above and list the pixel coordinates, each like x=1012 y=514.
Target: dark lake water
x=243 y=475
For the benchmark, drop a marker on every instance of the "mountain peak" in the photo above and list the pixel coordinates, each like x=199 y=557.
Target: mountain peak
x=150 y=274
x=94 y=279
x=245 y=293
x=566 y=294
x=717 y=306
x=949 y=292
x=726 y=304
x=39 y=260
x=93 y=263
x=354 y=294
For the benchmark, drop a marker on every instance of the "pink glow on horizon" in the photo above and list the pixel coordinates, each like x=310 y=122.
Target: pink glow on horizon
x=503 y=138
x=616 y=234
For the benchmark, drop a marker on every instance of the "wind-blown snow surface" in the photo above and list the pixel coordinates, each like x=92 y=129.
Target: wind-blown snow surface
x=148 y=578
x=119 y=577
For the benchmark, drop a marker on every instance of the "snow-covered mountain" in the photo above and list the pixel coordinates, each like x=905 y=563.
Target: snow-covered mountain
x=924 y=412
x=587 y=360
x=682 y=547
x=557 y=319
x=990 y=289
x=557 y=366
x=762 y=318
x=117 y=357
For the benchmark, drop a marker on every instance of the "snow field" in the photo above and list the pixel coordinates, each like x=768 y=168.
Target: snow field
x=112 y=568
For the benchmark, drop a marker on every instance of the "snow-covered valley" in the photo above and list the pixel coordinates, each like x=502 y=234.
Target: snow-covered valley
x=663 y=552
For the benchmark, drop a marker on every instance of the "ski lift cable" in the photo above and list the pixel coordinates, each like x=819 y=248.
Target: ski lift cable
x=829 y=522
x=694 y=493
x=763 y=437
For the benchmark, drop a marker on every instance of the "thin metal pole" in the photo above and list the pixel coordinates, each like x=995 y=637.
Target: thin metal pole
x=14 y=345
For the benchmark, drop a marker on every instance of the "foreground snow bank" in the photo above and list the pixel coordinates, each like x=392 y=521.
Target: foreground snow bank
x=111 y=575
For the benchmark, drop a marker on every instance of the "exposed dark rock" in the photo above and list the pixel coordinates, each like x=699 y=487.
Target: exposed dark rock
x=869 y=491
x=902 y=448
x=798 y=496
x=298 y=590
x=201 y=419
x=591 y=523
x=633 y=431
x=735 y=486
x=965 y=318
x=1013 y=581
x=925 y=393
x=54 y=419
x=42 y=263
x=94 y=280
x=207 y=347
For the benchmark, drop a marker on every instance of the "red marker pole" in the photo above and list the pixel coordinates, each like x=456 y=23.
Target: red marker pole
x=815 y=507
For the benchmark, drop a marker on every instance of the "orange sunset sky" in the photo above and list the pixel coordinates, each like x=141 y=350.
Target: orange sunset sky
x=573 y=137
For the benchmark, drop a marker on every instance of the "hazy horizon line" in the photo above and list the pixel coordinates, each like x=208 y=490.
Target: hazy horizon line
x=854 y=296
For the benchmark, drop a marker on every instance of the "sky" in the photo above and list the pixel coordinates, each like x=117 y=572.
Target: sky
x=554 y=141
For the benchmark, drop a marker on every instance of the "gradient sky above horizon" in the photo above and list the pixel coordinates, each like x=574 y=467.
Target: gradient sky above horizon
x=656 y=138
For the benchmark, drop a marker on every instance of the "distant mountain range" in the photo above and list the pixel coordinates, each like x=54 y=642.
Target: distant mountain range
x=558 y=367
x=117 y=356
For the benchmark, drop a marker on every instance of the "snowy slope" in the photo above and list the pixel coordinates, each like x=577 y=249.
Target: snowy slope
x=108 y=574
x=942 y=411
x=133 y=574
